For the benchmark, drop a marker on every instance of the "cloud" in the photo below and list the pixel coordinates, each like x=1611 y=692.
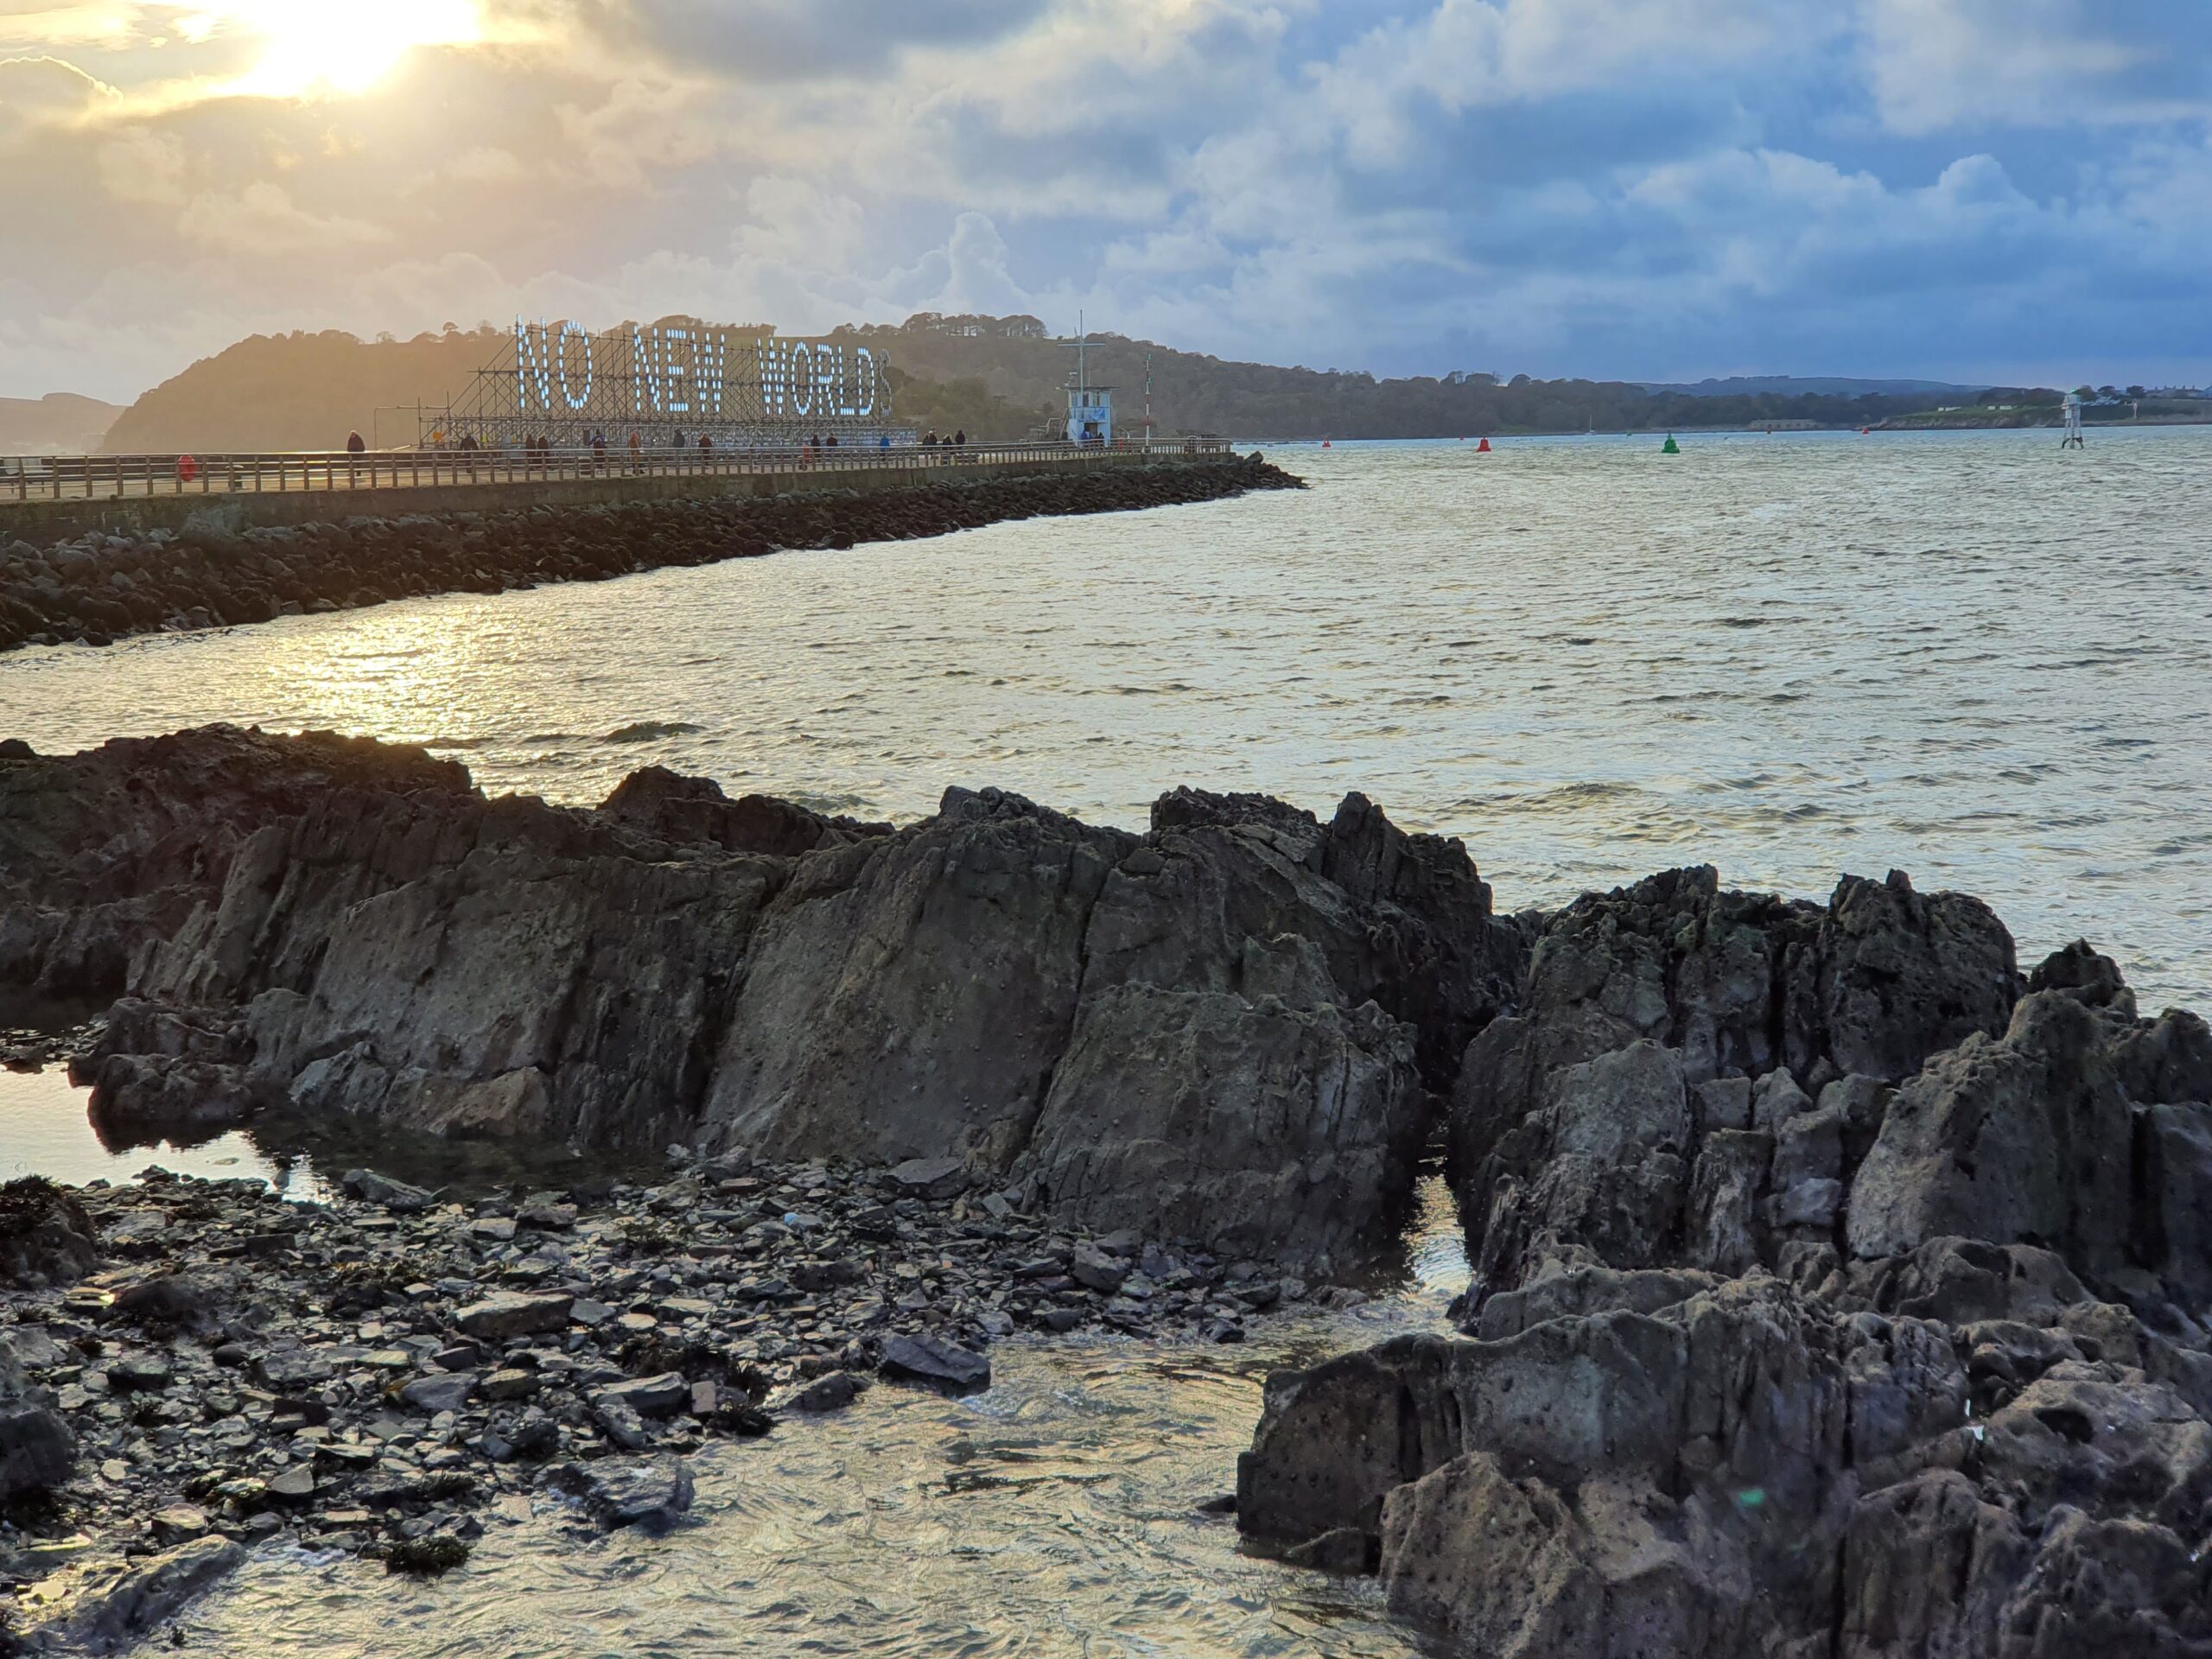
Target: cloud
x=262 y=218
x=46 y=91
x=1643 y=188
x=53 y=25
x=798 y=40
x=1935 y=65
x=485 y=164
x=143 y=166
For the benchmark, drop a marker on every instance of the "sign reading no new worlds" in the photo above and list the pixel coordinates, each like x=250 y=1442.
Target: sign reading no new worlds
x=668 y=374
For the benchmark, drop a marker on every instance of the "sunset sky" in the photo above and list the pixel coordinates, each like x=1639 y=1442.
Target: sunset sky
x=1967 y=189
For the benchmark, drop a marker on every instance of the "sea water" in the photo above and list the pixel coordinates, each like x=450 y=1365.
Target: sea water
x=1967 y=656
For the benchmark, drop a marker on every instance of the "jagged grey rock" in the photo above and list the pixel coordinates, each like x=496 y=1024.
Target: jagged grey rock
x=1260 y=1128
x=358 y=931
x=46 y=1237
x=37 y=1449
x=1940 y=1383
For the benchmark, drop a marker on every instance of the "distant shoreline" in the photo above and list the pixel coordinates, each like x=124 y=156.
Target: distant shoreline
x=1905 y=424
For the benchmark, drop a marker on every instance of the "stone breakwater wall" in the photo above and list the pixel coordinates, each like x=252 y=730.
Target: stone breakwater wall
x=104 y=585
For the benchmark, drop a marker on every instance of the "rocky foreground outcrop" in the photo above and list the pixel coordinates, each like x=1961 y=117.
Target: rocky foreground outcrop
x=1230 y=1030
x=100 y=588
x=1838 y=1289
x=1833 y=1297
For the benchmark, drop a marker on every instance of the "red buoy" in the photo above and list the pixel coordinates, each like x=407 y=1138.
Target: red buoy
x=1482 y=448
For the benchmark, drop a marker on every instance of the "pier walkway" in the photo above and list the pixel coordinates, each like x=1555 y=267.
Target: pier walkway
x=52 y=498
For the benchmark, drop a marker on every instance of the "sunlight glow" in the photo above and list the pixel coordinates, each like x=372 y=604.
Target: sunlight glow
x=315 y=46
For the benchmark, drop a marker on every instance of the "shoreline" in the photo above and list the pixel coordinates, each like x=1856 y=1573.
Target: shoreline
x=1892 y=424
x=372 y=1375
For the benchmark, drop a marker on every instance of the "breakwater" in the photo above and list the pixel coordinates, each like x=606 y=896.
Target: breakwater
x=173 y=565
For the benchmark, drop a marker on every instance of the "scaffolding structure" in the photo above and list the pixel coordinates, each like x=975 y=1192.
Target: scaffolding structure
x=672 y=383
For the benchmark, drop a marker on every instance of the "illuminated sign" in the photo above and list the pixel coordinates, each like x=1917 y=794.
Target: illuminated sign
x=710 y=376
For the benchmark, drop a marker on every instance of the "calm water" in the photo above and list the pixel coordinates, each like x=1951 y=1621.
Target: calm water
x=1962 y=655
x=44 y=1131
x=1967 y=656
x=1060 y=1515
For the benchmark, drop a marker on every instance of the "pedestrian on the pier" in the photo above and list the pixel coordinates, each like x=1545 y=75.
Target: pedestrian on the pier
x=353 y=444
x=637 y=453
x=598 y=451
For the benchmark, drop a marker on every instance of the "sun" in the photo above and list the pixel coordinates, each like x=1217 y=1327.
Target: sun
x=314 y=46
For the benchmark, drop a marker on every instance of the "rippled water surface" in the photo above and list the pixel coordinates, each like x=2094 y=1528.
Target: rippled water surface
x=1058 y=1515
x=1063 y=1514
x=1965 y=655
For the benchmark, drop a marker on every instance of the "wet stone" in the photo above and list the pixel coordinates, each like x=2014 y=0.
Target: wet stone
x=395 y=1196
x=507 y=1313
x=448 y=1391
x=179 y=1523
x=832 y=1392
x=945 y=1366
x=649 y=1493
x=652 y=1397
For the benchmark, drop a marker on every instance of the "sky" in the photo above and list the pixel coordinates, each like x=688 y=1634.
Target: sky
x=2001 y=190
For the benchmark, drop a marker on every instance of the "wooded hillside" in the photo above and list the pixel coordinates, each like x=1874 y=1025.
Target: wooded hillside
x=307 y=392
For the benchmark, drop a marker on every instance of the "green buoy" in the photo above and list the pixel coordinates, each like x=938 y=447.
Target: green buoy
x=1670 y=448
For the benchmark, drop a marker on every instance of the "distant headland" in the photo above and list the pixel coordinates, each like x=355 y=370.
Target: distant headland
x=1002 y=379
